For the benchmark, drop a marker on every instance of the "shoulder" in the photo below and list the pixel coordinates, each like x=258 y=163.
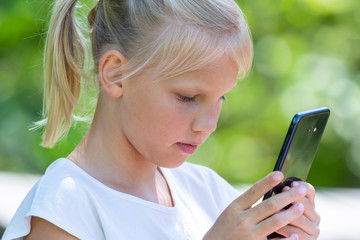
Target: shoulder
x=61 y=197
x=61 y=187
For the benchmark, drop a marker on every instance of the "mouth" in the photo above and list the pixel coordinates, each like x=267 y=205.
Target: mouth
x=188 y=148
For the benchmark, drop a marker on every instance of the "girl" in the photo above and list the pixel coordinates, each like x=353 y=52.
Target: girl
x=164 y=67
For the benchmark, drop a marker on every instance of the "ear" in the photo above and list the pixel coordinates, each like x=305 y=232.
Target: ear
x=109 y=64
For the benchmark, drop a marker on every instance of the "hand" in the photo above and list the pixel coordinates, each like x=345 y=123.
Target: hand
x=307 y=225
x=242 y=221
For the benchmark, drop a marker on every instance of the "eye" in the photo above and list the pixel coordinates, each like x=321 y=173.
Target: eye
x=187 y=98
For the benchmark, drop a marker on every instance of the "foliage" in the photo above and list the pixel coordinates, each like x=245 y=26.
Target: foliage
x=306 y=55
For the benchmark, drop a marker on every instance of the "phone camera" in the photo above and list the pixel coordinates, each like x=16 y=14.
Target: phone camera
x=311 y=130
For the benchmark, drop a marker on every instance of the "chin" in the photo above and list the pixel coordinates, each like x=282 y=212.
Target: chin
x=172 y=163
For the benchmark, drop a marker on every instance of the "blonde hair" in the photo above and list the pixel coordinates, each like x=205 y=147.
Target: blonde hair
x=160 y=38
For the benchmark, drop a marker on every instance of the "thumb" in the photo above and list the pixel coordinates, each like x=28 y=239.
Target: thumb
x=258 y=190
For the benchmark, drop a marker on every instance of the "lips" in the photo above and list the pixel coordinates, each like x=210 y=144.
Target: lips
x=188 y=148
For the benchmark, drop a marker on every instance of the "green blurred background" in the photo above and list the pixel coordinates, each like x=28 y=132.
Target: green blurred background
x=306 y=56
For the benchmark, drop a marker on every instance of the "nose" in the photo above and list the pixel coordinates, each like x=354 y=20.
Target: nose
x=206 y=120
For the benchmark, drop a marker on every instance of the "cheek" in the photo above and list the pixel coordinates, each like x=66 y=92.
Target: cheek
x=172 y=121
x=171 y=116
x=153 y=115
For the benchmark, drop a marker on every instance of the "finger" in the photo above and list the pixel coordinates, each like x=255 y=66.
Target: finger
x=280 y=219
x=289 y=229
x=277 y=202
x=286 y=188
x=310 y=192
x=258 y=190
x=291 y=237
x=309 y=227
x=310 y=211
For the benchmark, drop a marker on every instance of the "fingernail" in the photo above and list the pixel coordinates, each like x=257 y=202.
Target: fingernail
x=277 y=176
x=295 y=236
x=299 y=206
x=301 y=189
x=286 y=188
x=294 y=184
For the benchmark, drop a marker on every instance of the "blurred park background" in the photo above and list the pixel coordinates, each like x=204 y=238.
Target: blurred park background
x=306 y=55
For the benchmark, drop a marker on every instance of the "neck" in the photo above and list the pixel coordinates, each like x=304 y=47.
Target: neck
x=107 y=155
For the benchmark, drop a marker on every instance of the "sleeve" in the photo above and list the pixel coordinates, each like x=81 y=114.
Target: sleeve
x=19 y=225
x=64 y=203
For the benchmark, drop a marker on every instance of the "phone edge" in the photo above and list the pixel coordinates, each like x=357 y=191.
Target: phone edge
x=289 y=137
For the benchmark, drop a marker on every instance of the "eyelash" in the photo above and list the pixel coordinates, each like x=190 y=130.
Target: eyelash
x=186 y=98
x=223 y=98
x=192 y=99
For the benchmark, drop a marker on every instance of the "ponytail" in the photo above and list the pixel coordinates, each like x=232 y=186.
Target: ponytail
x=64 y=60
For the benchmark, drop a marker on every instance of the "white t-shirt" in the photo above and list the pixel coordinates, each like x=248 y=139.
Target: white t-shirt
x=74 y=201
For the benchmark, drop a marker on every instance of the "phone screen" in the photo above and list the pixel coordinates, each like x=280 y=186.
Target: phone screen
x=300 y=145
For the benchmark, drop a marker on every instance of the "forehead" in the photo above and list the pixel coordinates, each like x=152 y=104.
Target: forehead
x=221 y=72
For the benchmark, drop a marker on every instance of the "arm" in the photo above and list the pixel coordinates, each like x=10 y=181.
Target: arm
x=243 y=221
x=42 y=229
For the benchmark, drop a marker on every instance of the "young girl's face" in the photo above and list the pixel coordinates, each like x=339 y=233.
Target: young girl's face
x=165 y=121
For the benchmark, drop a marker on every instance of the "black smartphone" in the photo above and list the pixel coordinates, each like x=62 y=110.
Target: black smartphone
x=300 y=145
